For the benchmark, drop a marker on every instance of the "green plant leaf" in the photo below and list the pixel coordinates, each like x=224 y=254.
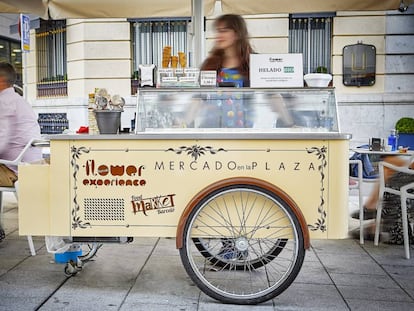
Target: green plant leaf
x=405 y=125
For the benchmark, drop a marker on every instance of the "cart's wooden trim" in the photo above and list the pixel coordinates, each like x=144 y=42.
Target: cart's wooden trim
x=242 y=181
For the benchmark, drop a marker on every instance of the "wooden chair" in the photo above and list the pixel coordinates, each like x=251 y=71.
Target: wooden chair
x=403 y=192
x=14 y=188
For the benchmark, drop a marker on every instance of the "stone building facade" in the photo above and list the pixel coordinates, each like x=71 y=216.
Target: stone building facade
x=99 y=55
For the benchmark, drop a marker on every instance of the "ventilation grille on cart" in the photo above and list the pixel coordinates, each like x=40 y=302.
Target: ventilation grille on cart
x=104 y=209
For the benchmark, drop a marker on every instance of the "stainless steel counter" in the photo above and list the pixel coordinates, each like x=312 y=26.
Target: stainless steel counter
x=208 y=134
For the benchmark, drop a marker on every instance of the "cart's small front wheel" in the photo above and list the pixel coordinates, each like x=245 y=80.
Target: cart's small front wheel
x=242 y=244
x=71 y=269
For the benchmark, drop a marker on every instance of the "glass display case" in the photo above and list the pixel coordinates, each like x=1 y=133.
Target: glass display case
x=200 y=109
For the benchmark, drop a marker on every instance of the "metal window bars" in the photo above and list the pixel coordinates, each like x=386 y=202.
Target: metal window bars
x=51 y=59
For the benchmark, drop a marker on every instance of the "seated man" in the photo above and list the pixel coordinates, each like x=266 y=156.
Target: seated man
x=18 y=125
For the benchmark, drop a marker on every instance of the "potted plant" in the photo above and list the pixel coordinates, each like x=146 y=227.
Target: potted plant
x=320 y=78
x=405 y=129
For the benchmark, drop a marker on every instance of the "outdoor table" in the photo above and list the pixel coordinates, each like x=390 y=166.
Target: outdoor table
x=382 y=152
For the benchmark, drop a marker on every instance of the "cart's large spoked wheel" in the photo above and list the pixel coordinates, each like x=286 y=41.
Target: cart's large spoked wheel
x=242 y=244
x=221 y=252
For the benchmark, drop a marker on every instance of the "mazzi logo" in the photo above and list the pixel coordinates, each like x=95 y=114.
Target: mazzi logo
x=112 y=175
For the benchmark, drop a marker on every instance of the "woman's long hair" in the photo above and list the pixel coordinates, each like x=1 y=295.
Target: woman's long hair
x=243 y=48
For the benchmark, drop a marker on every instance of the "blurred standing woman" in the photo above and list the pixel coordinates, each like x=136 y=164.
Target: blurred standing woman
x=231 y=52
x=229 y=57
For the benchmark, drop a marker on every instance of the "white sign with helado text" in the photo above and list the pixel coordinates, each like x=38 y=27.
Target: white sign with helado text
x=276 y=70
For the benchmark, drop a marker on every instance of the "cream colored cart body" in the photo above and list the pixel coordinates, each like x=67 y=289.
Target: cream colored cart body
x=241 y=202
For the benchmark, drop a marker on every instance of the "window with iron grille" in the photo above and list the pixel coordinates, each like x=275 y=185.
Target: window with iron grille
x=311 y=35
x=10 y=52
x=150 y=36
x=51 y=58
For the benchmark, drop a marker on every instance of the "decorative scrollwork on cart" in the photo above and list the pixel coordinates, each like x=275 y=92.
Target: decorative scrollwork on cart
x=76 y=221
x=196 y=151
x=320 y=224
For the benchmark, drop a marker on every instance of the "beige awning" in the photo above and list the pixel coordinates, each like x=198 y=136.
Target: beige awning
x=35 y=7
x=307 y=6
x=61 y=9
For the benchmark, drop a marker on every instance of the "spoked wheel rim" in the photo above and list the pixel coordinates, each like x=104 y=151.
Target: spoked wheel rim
x=208 y=248
x=263 y=238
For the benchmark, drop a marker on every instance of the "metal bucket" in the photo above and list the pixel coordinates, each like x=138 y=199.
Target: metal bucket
x=108 y=121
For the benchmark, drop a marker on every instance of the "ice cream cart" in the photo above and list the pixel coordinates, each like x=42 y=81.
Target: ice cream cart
x=241 y=178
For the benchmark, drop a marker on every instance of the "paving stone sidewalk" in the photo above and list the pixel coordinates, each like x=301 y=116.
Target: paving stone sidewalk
x=148 y=275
